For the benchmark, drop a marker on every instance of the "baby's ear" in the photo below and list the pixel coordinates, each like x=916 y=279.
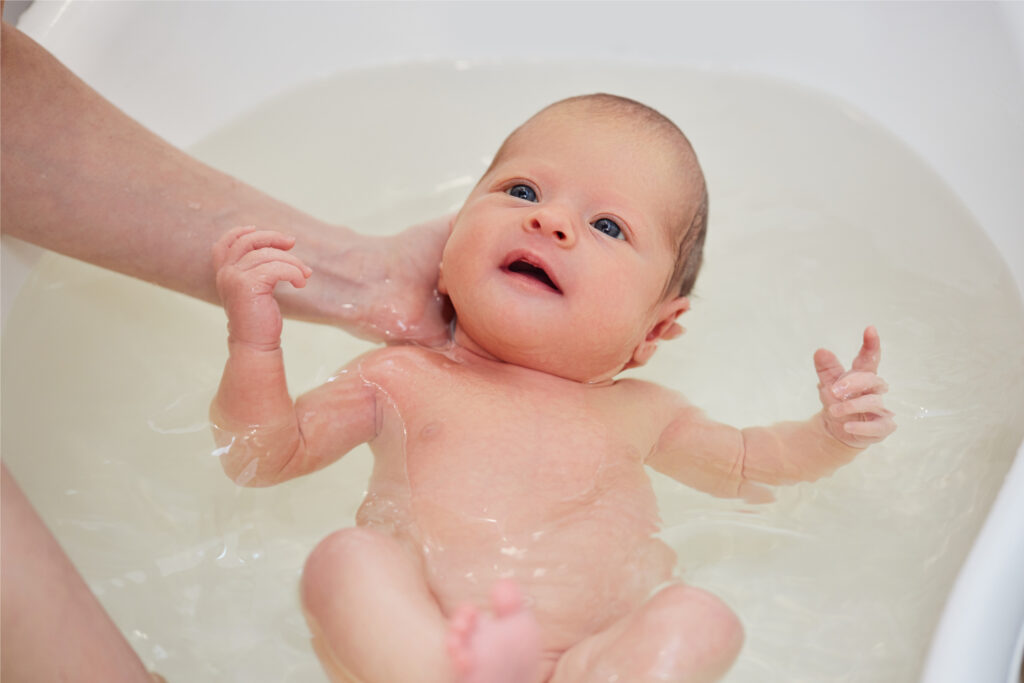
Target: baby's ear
x=665 y=327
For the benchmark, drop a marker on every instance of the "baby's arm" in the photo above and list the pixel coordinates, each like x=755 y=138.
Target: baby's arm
x=263 y=437
x=726 y=461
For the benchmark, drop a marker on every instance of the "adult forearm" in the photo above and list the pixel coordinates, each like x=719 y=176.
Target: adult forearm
x=82 y=178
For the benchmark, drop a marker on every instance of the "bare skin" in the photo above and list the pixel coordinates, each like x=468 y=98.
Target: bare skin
x=83 y=179
x=50 y=617
x=514 y=455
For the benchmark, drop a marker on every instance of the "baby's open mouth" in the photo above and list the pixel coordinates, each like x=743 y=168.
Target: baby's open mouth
x=528 y=269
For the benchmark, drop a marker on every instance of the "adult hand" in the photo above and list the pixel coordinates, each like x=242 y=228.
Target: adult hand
x=81 y=178
x=377 y=288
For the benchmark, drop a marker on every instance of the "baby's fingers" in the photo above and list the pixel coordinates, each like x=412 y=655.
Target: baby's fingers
x=270 y=273
x=857 y=383
x=875 y=430
x=827 y=366
x=870 y=354
x=869 y=404
x=223 y=245
x=254 y=259
x=240 y=241
x=258 y=273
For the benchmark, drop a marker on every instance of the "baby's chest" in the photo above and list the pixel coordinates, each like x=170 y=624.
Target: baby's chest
x=519 y=441
x=484 y=447
x=553 y=487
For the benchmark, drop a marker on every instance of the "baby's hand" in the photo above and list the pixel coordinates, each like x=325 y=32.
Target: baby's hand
x=853 y=410
x=249 y=264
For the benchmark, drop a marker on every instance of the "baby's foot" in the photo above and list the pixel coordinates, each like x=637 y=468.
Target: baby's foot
x=503 y=647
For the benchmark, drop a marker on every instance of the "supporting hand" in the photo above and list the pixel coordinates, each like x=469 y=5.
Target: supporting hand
x=378 y=288
x=852 y=400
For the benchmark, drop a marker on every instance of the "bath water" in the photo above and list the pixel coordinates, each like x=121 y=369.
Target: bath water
x=821 y=224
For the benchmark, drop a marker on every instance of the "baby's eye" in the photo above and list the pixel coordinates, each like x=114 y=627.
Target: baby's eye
x=522 y=192
x=609 y=227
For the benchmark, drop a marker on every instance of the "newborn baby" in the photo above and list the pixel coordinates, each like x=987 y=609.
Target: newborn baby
x=508 y=529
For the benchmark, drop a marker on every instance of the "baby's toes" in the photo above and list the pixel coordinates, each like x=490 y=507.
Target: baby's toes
x=460 y=635
x=506 y=598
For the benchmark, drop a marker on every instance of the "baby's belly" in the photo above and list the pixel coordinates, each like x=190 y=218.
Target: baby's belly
x=578 y=575
x=581 y=563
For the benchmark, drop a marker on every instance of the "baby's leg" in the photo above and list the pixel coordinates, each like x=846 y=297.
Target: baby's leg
x=371 y=612
x=680 y=634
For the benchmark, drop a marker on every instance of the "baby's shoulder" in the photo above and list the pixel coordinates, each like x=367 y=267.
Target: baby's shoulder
x=639 y=408
x=648 y=397
x=395 y=354
x=399 y=362
x=640 y=389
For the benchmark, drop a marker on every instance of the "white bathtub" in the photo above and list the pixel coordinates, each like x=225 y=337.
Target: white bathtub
x=947 y=79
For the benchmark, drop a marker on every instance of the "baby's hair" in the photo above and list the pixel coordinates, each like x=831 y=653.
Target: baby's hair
x=690 y=249
x=689 y=234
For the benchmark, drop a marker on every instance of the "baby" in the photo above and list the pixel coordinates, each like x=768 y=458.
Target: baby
x=508 y=531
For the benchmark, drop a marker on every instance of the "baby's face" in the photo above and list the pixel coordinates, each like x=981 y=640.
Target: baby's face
x=559 y=257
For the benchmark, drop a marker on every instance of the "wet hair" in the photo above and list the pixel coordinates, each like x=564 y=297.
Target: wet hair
x=689 y=233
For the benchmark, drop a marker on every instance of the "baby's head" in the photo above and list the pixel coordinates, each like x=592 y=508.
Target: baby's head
x=689 y=226
x=576 y=251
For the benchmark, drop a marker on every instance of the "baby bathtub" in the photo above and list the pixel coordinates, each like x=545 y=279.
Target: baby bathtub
x=948 y=79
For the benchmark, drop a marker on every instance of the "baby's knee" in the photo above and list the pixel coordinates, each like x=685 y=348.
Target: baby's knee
x=695 y=626
x=334 y=561
x=680 y=599
x=345 y=543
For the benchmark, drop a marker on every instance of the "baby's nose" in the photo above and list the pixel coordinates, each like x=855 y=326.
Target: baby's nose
x=554 y=223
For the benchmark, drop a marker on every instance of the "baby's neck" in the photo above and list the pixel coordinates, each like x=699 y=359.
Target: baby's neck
x=464 y=349
x=462 y=344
